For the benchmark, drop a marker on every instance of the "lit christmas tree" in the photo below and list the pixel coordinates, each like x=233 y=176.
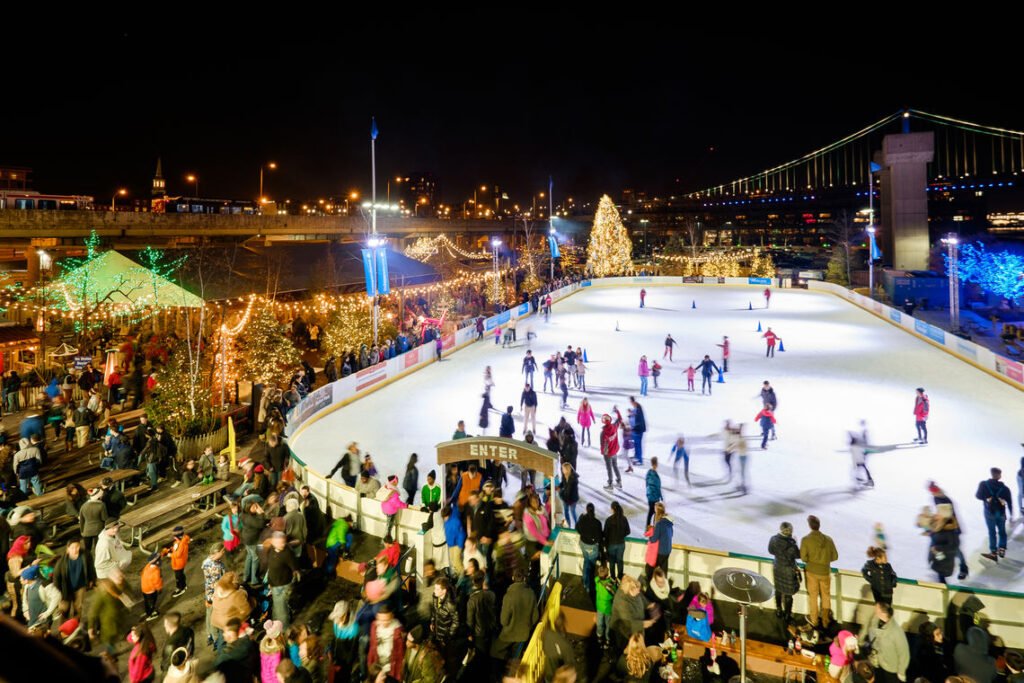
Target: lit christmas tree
x=762 y=265
x=610 y=249
x=351 y=325
x=265 y=354
x=999 y=272
x=183 y=405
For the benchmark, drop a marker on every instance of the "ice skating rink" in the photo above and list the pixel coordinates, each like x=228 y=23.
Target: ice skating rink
x=841 y=364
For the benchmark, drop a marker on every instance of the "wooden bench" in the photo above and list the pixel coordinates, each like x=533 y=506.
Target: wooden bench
x=182 y=502
x=762 y=657
x=58 y=496
x=134 y=493
x=191 y=523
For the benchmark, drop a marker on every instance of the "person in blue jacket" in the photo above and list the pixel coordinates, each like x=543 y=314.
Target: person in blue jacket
x=653 y=489
x=639 y=425
x=454 y=530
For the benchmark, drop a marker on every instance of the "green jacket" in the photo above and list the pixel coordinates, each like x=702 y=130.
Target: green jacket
x=605 y=592
x=338 y=533
x=818 y=552
x=430 y=494
x=423 y=665
x=107 y=615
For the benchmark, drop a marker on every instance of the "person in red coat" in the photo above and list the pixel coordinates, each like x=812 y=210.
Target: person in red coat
x=767 y=296
x=765 y=418
x=921 y=407
x=771 y=338
x=610 y=448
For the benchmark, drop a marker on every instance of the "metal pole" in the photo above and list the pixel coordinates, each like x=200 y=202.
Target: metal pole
x=373 y=227
x=871 y=231
x=551 y=223
x=259 y=198
x=952 y=244
x=743 y=643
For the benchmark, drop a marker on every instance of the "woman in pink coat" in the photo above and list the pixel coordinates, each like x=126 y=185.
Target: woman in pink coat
x=391 y=502
x=585 y=418
x=644 y=371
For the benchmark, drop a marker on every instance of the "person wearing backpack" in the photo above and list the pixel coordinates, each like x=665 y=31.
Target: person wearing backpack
x=27 y=463
x=998 y=505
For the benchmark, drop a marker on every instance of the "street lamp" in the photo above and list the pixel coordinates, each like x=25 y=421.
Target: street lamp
x=271 y=166
x=952 y=243
x=120 y=193
x=193 y=178
x=871 y=257
x=496 y=290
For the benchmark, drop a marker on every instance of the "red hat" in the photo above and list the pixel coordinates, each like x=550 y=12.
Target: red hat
x=68 y=627
x=259 y=468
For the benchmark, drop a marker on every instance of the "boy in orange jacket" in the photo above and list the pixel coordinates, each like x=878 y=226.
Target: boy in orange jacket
x=151 y=584
x=179 y=558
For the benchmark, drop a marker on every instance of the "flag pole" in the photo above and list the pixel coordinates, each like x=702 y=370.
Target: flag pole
x=373 y=218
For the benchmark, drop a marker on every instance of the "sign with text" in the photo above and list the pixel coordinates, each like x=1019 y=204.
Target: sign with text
x=371 y=375
x=693 y=280
x=81 y=361
x=895 y=315
x=527 y=456
x=315 y=402
x=936 y=334
x=412 y=357
x=759 y=280
x=1010 y=368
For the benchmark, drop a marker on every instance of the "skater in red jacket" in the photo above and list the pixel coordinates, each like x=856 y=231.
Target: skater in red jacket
x=610 y=448
x=767 y=296
x=771 y=338
x=921 y=406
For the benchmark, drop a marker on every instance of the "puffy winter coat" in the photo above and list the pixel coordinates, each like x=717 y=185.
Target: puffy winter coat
x=444 y=616
x=653 y=486
x=585 y=417
x=880 y=577
x=643 y=370
x=663 y=535
x=570 y=490
x=228 y=605
x=610 y=440
x=921 y=406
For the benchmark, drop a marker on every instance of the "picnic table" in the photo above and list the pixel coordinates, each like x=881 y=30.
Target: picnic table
x=58 y=496
x=139 y=520
x=762 y=657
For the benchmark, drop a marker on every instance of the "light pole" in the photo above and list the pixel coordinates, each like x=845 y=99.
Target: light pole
x=273 y=167
x=952 y=243
x=193 y=178
x=374 y=242
x=496 y=290
x=120 y=193
x=551 y=235
x=551 y=223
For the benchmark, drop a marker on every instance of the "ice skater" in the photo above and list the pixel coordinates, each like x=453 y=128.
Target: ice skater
x=643 y=371
x=767 y=296
x=728 y=448
x=768 y=398
x=563 y=384
x=859 y=455
x=740 y=444
x=921 y=407
x=998 y=507
x=655 y=373
x=581 y=374
x=770 y=337
x=549 y=369
x=765 y=418
x=528 y=404
x=488 y=379
x=627 y=436
x=497 y=335
x=725 y=353
x=939 y=497
x=610 y=449
x=669 y=346
x=643 y=296
x=706 y=367
x=529 y=366
x=678 y=453
x=638 y=423
x=690 y=373
x=585 y=418
x=485 y=413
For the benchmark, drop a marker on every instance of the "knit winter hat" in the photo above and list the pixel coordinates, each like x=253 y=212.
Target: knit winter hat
x=30 y=573
x=393 y=479
x=18 y=514
x=934 y=489
x=273 y=628
x=418 y=634
x=786 y=529
x=178 y=531
x=291 y=505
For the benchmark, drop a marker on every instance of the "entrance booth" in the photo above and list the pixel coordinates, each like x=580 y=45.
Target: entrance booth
x=525 y=455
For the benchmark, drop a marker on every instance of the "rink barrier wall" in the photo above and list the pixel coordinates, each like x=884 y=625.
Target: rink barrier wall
x=1002 y=368
x=913 y=601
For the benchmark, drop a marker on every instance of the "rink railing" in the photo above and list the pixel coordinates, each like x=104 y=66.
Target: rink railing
x=913 y=601
x=985 y=359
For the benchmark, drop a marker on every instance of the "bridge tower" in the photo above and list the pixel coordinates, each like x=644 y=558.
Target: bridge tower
x=904 y=196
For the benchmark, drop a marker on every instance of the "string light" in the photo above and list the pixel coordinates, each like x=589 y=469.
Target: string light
x=610 y=249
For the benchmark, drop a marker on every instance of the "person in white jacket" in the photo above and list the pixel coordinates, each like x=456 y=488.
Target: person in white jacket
x=39 y=601
x=110 y=551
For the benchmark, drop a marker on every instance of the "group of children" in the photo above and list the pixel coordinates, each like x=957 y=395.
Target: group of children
x=152 y=577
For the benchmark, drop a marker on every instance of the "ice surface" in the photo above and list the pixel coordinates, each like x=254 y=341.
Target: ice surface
x=841 y=364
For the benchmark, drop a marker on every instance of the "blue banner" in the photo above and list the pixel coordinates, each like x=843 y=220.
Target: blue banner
x=504 y=317
x=759 y=280
x=895 y=315
x=553 y=244
x=522 y=310
x=368 y=270
x=934 y=333
x=585 y=283
x=876 y=253
x=383 y=282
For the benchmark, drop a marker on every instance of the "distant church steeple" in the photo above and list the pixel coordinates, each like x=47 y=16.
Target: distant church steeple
x=159 y=184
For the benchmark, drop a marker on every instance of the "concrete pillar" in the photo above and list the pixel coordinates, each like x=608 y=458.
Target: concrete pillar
x=904 y=198
x=32 y=266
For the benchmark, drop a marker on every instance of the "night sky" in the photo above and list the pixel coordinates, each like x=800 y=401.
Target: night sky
x=599 y=105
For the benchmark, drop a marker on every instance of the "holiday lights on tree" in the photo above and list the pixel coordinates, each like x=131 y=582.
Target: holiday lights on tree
x=351 y=326
x=720 y=265
x=999 y=272
x=762 y=265
x=610 y=249
x=183 y=405
x=265 y=354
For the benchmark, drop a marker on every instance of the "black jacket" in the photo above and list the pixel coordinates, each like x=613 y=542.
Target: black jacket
x=508 y=426
x=482 y=618
x=993 y=492
x=62 y=580
x=589 y=528
x=444 y=616
x=615 y=530
x=529 y=398
x=880 y=577
x=252 y=526
x=639 y=421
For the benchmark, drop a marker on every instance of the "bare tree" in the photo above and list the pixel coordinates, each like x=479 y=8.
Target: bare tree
x=839 y=233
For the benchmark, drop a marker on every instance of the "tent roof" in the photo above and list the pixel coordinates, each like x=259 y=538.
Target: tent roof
x=114 y=278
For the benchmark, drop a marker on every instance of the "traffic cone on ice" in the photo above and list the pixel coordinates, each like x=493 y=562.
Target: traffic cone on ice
x=750 y=306
x=694 y=305
x=782 y=347
x=758 y=325
x=585 y=356
x=721 y=377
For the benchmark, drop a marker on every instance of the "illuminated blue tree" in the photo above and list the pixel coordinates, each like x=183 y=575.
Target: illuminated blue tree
x=999 y=272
